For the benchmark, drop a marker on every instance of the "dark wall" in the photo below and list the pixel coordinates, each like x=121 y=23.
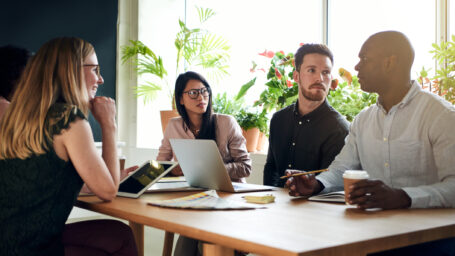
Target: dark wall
x=31 y=23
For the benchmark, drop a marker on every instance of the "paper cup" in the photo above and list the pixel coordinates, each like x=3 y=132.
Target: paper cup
x=350 y=177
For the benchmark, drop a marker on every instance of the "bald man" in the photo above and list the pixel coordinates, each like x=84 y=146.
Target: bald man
x=405 y=142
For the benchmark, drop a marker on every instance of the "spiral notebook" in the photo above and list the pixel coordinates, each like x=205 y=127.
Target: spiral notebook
x=337 y=197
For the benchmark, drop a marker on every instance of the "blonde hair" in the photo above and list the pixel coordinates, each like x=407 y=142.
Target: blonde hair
x=53 y=75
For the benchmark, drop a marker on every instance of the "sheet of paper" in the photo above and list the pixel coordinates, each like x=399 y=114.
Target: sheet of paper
x=204 y=200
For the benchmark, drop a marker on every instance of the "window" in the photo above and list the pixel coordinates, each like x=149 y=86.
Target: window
x=252 y=26
x=352 y=21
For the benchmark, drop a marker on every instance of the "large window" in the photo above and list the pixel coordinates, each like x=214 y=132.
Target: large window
x=253 y=26
x=352 y=21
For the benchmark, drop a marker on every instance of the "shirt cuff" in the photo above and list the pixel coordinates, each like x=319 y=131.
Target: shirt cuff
x=419 y=198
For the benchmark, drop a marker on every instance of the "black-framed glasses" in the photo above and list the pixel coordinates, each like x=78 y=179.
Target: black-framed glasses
x=97 y=68
x=194 y=93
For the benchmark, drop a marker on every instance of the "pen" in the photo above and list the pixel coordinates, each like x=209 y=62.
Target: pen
x=303 y=173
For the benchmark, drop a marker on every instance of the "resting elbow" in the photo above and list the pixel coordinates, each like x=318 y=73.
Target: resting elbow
x=108 y=195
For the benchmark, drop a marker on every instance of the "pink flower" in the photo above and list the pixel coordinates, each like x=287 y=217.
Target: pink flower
x=282 y=52
x=301 y=44
x=268 y=54
x=277 y=73
x=289 y=83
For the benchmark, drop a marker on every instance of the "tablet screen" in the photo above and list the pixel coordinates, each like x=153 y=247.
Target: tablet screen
x=142 y=177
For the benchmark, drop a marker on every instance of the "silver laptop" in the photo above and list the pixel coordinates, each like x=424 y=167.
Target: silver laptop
x=203 y=166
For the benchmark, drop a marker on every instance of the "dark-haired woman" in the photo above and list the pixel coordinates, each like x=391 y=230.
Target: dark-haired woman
x=193 y=98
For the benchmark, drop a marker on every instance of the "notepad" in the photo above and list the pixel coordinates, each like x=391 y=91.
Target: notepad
x=337 y=197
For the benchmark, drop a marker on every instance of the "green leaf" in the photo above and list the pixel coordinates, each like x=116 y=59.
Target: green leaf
x=245 y=88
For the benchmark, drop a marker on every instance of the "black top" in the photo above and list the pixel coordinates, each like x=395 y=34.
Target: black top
x=308 y=142
x=37 y=195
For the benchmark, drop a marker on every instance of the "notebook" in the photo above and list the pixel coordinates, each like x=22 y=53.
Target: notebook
x=337 y=197
x=203 y=166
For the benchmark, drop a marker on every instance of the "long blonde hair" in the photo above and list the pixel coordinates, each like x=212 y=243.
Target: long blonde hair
x=54 y=74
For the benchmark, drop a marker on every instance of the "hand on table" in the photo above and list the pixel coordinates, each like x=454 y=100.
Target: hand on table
x=177 y=171
x=367 y=194
x=303 y=185
x=123 y=174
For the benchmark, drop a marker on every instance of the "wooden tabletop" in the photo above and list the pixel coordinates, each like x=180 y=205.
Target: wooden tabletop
x=290 y=226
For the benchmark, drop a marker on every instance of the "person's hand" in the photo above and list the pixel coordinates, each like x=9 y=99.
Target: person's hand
x=303 y=185
x=103 y=110
x=177 y=171
x=125 y=172
x=367 y=194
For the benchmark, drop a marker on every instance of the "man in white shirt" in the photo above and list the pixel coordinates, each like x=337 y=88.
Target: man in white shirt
x=405 y=142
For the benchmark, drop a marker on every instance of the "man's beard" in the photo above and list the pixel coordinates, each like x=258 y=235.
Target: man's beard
x=316 y=96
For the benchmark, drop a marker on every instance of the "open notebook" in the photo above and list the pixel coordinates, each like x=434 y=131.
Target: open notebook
x=337 y=197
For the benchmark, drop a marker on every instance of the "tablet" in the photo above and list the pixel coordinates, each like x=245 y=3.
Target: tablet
x=144 y=177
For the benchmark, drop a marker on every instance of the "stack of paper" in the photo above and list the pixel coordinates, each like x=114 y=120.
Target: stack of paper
x=204 y=200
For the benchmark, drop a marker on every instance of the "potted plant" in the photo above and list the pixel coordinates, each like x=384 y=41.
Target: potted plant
x=196 y=47
x=347 y=97
x=252 y=122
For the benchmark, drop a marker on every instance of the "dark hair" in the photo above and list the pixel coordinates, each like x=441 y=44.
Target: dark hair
x=308 y=49
x=12 y=62
x=208 y=128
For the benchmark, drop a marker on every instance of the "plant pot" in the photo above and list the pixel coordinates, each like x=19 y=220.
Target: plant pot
x=251 y=136
x=166 y=115
x=261 y=141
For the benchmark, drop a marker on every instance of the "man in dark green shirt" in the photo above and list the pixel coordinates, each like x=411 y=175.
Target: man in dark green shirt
x=308 y=134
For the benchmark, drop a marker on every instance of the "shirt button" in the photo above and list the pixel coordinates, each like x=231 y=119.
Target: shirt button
x=300 y=122
x=293 y=143
x=385 y=139
x=386 y=164
x=290 y=165
x=308 y=120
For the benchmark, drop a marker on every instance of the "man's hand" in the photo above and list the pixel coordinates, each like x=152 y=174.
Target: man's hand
x=367 y=194
x=304 y=185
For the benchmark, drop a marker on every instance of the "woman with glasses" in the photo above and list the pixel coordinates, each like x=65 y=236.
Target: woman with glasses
x=47 y=152
x=193 y=98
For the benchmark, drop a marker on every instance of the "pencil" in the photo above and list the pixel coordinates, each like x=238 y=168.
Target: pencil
x=303 y=173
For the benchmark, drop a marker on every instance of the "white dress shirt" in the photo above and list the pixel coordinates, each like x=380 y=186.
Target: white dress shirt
x=411 y=147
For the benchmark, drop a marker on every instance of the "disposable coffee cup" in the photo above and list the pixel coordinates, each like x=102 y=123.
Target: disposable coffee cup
x=350 y=177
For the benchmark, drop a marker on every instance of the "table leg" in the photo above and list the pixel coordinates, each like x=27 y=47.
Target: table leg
x=216 y=250
x=168 y=243
x=138 y=232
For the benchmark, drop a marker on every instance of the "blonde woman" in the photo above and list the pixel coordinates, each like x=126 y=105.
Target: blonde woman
x=47 y=152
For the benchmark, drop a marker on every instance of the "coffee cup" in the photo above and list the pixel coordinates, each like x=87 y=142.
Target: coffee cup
x=350 y=177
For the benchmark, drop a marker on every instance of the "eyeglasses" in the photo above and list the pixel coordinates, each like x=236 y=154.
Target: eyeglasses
x=194 y=93
x=97 y=68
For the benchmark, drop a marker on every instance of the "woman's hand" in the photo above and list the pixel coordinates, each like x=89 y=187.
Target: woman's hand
x=177 y=171
x=103 y=110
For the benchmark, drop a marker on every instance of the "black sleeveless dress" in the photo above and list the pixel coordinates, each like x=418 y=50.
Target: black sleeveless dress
x=37 y=195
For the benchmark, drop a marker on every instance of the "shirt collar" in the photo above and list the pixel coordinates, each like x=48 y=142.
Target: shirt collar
x=324 y=107
x=412 y=92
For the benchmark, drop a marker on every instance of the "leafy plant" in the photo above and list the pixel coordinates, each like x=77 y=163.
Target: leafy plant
x=348 y=98
x=444 y=81
x=250 y=119
x=280 y=90
x=196 y=47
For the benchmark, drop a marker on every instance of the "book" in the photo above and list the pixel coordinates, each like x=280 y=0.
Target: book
x=337 y=196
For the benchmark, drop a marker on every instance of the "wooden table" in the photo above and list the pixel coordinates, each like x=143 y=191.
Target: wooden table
x=290 y=226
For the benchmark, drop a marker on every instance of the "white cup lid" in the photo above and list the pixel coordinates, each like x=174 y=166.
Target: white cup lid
x=355 y=174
